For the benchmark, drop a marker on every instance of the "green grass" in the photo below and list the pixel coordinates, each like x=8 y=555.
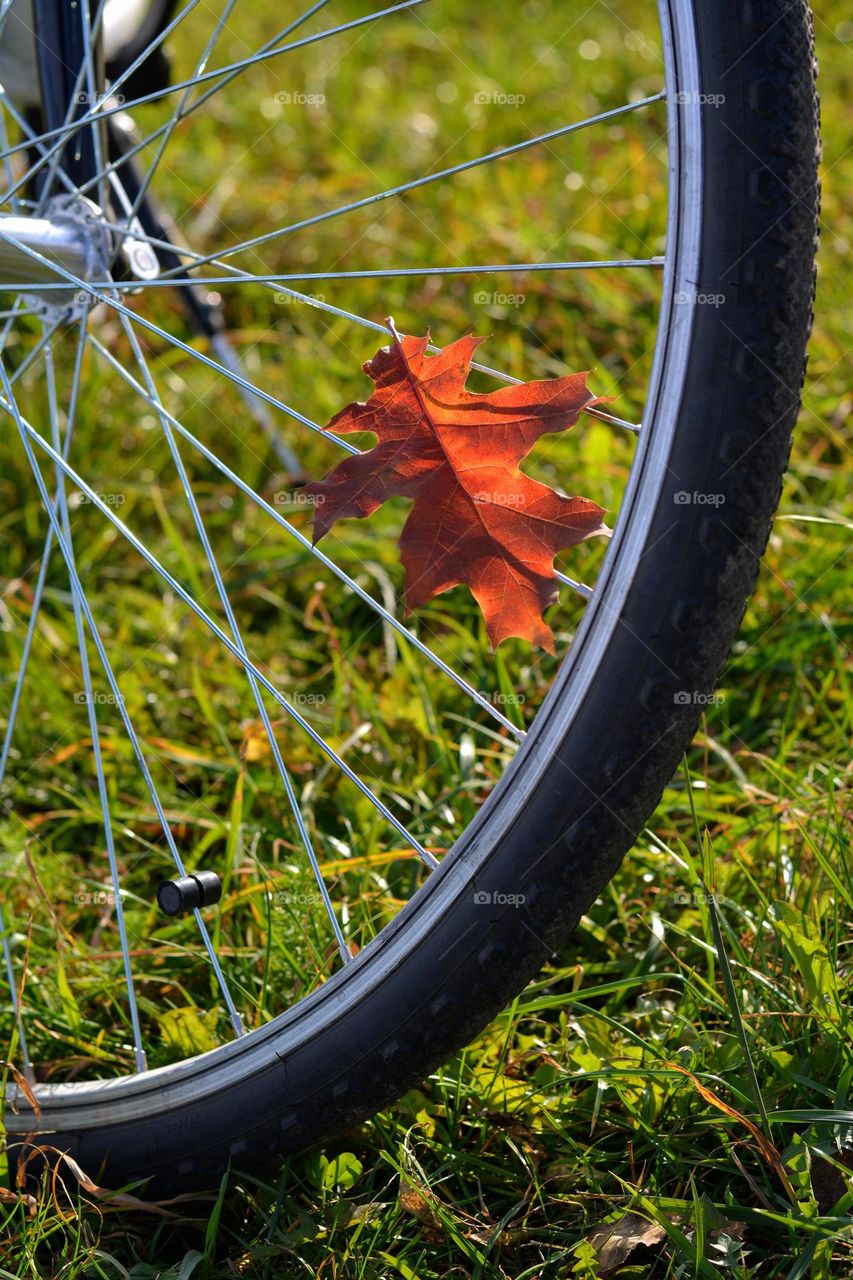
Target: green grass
x=698 y=1023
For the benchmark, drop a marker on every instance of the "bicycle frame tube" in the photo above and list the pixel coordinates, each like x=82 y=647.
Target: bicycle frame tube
x=71 y=76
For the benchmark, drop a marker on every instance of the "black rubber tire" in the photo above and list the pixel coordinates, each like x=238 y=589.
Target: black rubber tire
x=678 y=620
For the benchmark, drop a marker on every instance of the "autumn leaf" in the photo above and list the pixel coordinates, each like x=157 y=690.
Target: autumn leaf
x=477 y=519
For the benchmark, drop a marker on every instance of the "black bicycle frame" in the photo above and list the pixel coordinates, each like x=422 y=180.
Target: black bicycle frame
x=66 y=94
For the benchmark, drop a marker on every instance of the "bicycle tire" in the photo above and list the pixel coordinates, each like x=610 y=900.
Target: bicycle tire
x=724 y=399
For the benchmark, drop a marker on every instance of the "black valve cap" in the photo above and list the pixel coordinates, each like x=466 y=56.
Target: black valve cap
x=202 y=889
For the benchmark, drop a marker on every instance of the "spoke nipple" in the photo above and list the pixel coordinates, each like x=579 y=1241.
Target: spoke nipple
x=177 y=897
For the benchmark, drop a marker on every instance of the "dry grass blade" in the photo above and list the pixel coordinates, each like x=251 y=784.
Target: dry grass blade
x=23 y=1084
x=768 y=1151
x=103 y=1196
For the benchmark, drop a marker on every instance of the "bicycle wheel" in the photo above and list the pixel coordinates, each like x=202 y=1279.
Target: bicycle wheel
x=538 y=846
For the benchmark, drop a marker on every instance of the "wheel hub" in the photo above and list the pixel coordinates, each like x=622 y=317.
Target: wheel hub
x=70 y=236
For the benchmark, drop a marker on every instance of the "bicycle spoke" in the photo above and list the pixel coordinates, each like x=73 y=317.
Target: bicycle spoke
x=35 y=607
x=284 y=773
x=45 y=558
x=90 y=33
x=48 y=156
x=580 y=587
x=32 y=356
x=492 y=268
x=602 y=416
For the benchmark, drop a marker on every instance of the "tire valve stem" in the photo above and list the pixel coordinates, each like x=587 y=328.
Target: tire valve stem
x=189 y=893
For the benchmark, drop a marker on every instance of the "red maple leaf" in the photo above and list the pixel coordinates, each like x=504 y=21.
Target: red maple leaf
x=477 y=519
